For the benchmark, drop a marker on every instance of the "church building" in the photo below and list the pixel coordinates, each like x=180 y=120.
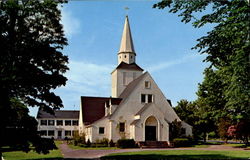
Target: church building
x=137 y=109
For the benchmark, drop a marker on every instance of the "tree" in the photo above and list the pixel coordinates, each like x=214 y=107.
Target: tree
x=227 y=48
x=31 y=60
x=21 y=130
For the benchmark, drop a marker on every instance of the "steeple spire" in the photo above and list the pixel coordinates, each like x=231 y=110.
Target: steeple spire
x=127 y=52
x=127 y=45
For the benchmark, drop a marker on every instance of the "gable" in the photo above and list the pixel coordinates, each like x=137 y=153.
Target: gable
x=132 y=104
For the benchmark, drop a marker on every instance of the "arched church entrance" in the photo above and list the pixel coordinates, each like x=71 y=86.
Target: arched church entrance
x=151 y=129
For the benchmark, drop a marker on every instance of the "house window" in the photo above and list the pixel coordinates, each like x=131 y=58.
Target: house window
x=125 y=56
x=43 y=122
x=67 y=133
x=147 y=84
x=124 y=78
x=43 y=132
x=122 y=127
x=75 y=122
x=150 y=98
x=143 y=98
x=101 y=130
x=51 y=122
x=67 y=122
x=75 y=132
x=51 y=133
x=59 y=122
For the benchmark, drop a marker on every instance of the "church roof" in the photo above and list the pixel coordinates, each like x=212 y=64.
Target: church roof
x=59 y=114
x=93 y=108
x=132 y=66
x=143 y=108
x=127 y=45
x=130 y=87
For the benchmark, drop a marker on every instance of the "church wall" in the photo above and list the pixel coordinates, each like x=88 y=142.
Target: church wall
x=133 y=104
x=95 y=130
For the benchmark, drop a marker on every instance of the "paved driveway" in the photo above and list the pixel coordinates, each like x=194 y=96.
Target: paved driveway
x=96 y=154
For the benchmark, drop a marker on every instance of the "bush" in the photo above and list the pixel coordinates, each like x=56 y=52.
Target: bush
x=125 y=143
x=111 y=143
x=181 y=142
x=78 y=139
x=88 y=144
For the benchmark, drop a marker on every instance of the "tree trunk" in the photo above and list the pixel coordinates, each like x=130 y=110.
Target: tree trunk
x=204 y=137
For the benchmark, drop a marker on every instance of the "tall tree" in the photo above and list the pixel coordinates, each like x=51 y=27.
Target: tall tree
x=31 y=59
x=227 y=48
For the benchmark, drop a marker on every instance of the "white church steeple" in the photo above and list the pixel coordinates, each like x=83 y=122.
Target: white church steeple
x=127 y=52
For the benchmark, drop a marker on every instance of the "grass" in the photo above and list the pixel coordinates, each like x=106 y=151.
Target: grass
x=91 y=148
x=178 y=155
x=238 y=145
x=20 y=155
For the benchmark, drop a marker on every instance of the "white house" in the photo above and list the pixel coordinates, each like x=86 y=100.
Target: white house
x=60 y=125
x=137 y=108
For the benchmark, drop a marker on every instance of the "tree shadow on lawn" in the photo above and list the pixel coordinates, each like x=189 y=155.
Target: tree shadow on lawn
x=65 y=159
x=170 y=157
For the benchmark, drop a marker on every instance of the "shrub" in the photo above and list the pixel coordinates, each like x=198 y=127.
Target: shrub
x=111 y=143
x=181 y=142
x=125 y=143
x=88 y=143
x=78 y=139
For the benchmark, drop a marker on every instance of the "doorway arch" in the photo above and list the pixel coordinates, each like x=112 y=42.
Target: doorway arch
x=151 y=127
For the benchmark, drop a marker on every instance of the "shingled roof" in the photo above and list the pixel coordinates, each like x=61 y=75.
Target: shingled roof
x=93 y=108
x=132 y=66
x=68 y=114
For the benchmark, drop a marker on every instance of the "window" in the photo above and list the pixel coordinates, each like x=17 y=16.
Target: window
x=101 y=130
x=51 y=133
x=67 y=133
x=59 y=122
x=67 y=122
x=150 y=98
x=43 y=132
x=134 y=75
x=146 y=98
x=183 y=131
x=75 y=122
x=143 y=98
x=125 y=56
x=131 y=56
x=122 y=127
x=147 y=84
x=43 y=122
x=51 y=122
x=124 y=78
x=75 y=132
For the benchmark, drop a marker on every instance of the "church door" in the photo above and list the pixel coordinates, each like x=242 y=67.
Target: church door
x=150 y=133
x=151 y=129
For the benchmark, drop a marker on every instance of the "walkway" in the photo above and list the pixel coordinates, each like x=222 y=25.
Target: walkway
x=96 y=154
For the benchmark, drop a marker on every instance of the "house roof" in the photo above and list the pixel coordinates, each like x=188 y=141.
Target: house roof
x=93 y=108
x=73 y=114
x=132 y=66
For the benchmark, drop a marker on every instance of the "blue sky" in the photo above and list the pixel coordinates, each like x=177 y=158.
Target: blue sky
x=162 y=43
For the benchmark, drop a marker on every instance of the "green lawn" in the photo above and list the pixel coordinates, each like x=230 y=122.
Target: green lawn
x=178 y=155
x=91 y=148
x=19 y=155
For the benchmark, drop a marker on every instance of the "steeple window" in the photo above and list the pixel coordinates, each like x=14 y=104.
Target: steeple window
x=124 y=78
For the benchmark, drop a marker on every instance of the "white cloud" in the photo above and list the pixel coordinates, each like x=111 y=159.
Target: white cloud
x=85 y=78
x=164 y=65
x=71 y=24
